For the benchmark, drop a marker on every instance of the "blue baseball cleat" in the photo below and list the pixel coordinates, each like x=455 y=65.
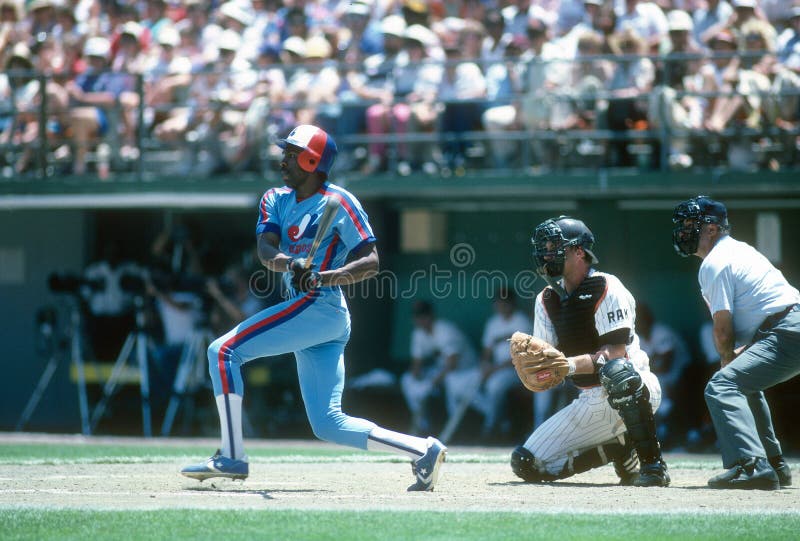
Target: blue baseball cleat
x=218 y=466
x=426 y=468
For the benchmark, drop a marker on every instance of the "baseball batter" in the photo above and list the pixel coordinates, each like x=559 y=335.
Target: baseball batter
x=314 y=322
x=589 y=315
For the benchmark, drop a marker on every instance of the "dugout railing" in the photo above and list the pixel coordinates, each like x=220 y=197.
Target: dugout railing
x=143 y=156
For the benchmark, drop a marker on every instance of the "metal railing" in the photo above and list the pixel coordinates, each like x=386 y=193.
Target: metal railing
x=536 y=149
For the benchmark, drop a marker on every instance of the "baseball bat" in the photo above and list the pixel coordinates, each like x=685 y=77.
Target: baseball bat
x=458 y=415
x=331 y=207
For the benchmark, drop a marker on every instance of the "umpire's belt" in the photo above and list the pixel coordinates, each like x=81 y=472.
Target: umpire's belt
x=771 y=321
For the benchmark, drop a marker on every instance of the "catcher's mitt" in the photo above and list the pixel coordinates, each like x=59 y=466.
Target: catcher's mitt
x=539 y=365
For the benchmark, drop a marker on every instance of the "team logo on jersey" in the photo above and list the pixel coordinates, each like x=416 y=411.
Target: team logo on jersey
x=585 y=296
x=307 y=228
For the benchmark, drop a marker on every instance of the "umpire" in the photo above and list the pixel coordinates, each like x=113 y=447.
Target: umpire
x=756 y=322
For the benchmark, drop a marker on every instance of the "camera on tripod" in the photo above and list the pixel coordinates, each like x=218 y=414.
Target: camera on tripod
x=65 y=282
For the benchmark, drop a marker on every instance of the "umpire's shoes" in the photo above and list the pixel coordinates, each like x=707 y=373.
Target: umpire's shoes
x=426 y=468
x=652 y=475
x=782 y=469
x=748 y=474
x=218 y=466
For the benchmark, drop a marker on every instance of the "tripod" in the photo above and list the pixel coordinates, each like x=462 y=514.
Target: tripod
x=136 y=342
x=47 y=326
x=192 y=370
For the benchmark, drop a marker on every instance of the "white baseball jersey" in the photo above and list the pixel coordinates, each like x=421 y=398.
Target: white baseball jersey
x=614 y=309
x=589 y=420
x=497 y=332
x=444 y=340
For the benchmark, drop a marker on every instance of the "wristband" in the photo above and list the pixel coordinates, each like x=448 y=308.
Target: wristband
x=572 y=367
x=598 y=362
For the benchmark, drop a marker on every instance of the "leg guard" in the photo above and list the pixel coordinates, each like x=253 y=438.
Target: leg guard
x=626 y=465
x=629 y=396
x=523 y=463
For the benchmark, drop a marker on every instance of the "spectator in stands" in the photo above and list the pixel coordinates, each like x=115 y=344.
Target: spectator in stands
x=356 y=40
x=95 y=96
x=42 y=18
x=441 y=356
x=20 y=122
x=785 y=106
x=741 y=107
x=167 y=76
x=788 y=43
x=425 y=75
x=710 y=19
x=130 y=59
x=497 y=371
x=376 y=82
x=461 y=92
x=743 y=11
x=155 y=17
x=416 y=12
x=317 y=87
x=643 y=18
x=583 y=107
x=669 y=357
x=589 y=22
x=516 y=17
x=493 y=47
x=667 y=109
x=505 y=82
x=632 y=81
x=544 y=84
x=758 y=47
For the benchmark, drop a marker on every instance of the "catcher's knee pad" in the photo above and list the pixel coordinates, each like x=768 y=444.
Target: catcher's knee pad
x=523 y=464
x=628 y=394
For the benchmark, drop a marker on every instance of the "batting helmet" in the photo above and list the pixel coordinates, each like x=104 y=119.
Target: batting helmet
x=319 y=149
x=561 y=232
x=698 y=210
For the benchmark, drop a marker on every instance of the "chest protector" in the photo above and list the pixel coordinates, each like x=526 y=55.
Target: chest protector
x=573 y=319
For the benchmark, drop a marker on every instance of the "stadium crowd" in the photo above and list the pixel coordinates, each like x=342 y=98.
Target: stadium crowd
x=404 y=85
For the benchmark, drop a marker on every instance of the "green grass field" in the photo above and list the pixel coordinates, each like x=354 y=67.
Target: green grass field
x=602 y=521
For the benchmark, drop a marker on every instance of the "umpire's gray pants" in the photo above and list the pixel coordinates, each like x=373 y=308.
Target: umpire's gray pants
x=735 y=397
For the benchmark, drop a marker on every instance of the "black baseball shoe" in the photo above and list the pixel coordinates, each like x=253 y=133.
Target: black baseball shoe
x=782 y=469
x=652 y=475
x=749 y=474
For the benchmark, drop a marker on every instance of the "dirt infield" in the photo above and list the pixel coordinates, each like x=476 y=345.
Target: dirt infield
x=465 y=485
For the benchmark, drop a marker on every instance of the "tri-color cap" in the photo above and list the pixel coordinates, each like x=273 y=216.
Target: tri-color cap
x=319 y=148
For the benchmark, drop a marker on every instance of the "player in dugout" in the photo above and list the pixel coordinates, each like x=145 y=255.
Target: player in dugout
x=314 y=322
x=590 y=317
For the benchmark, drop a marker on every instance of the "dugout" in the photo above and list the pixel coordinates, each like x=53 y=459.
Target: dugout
x=469 y=233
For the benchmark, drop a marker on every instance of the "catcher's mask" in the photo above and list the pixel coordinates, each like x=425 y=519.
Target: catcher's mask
x=689 y=218
x=561 y=232
x=319 y=149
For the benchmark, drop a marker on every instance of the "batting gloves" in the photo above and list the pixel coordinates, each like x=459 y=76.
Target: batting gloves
x=303 y=279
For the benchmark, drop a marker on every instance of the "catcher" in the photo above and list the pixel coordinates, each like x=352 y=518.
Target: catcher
x=589 y=316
